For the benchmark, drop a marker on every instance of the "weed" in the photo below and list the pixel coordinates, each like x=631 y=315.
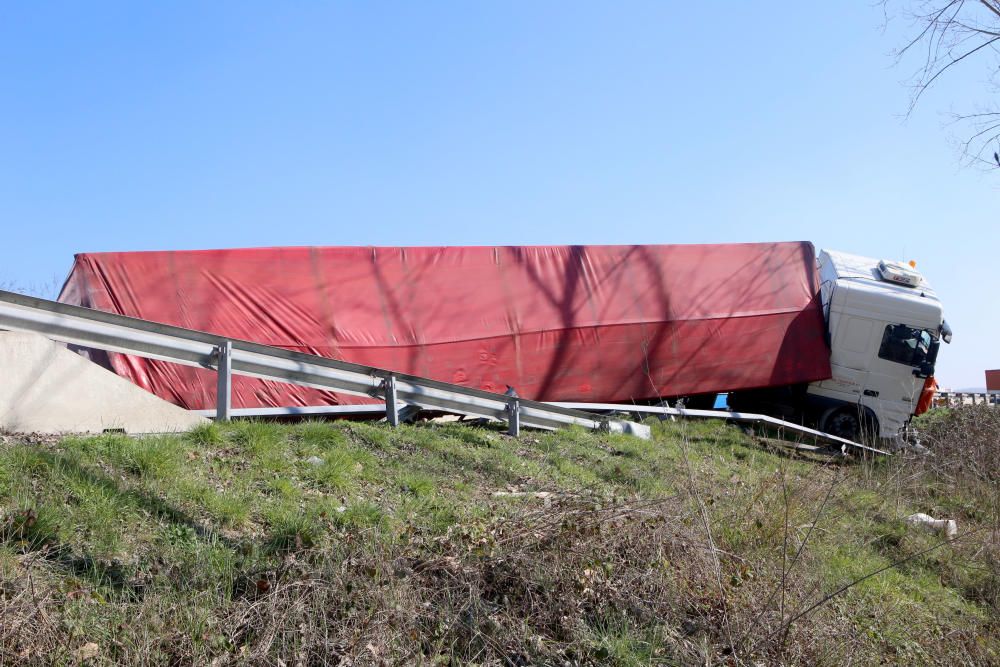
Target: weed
x=416 y=484
x=291 y=530
x=207 y=434
x=31 y=528
x=153 y=456
x=315 y=543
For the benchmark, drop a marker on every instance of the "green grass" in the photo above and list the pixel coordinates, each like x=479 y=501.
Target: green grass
x=255 y=541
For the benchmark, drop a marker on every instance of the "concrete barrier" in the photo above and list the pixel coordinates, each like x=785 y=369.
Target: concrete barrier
x=45 y=388
x=949 y=399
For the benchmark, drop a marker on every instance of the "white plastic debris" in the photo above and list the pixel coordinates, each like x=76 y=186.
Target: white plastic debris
x=541 y=495
x=948 y=526
x=314 y=461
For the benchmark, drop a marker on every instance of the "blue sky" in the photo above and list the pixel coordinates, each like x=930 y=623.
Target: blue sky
x=132 y=126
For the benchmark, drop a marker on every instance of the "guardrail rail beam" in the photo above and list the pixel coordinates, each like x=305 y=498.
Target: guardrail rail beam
x=126 y=335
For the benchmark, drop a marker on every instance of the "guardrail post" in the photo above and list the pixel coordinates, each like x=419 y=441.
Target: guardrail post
x=224 y=383
x=514 y=417
x=391 y=403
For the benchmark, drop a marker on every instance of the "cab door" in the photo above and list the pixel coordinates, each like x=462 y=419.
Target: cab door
x=852 y=341
x=904 y=358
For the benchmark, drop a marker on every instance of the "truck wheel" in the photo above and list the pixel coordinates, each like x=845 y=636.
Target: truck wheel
x=850 y=423
x=700 y=402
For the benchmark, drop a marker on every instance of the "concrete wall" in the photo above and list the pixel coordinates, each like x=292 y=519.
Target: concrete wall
x=45 y=388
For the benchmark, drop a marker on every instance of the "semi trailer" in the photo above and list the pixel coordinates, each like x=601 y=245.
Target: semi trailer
x=838 y=341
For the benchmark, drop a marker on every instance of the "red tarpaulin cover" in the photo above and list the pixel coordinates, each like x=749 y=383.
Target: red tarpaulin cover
x=559 y=323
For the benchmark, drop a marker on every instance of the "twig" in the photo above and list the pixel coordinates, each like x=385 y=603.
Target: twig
x=703 y=511
x=829 y=596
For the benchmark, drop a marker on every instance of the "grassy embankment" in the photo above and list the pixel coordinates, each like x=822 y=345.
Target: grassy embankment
x=315 y=543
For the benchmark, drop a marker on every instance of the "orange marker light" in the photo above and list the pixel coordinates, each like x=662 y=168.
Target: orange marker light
x=912 y=264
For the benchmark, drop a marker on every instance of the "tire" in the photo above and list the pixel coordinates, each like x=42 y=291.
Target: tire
x=850 y=423
x=700 y=402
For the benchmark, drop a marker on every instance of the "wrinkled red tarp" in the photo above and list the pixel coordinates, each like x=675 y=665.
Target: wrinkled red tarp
x=559 y=323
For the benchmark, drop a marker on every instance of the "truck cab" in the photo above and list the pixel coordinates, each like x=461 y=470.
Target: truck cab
x=885 y=325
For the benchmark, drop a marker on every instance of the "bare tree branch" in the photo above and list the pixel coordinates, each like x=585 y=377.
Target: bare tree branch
x=949 y=33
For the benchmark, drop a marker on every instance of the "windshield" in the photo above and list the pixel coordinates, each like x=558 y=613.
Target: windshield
x=908 y=345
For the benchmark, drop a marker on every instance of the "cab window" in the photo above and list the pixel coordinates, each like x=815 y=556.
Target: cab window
x=907 y=345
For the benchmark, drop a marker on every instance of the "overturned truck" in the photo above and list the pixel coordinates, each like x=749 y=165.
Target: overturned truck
x=844 y=342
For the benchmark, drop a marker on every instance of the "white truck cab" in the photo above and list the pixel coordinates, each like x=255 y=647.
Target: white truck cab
x=885 y=324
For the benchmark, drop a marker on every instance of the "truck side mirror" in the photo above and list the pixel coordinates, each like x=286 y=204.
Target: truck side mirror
x=945 y=331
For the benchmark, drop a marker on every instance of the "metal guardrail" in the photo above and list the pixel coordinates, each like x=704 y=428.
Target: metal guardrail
x=117 y=333
x=363 y=410
x=728 y=415
x=619 y=408
x=950 y=399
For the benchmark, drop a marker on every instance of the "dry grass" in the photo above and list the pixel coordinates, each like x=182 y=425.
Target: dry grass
x=225 y=546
